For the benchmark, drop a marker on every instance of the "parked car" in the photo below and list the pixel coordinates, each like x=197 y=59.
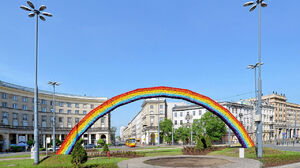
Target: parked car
x=89 y=146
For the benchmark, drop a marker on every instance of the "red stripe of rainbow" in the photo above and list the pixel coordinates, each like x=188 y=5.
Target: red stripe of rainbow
x=145 y=93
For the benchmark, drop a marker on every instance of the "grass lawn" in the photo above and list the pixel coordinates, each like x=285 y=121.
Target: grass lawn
x=162 y=152
x=19 y=156
x=154 y=147
x=62 y=161
x=271 y=157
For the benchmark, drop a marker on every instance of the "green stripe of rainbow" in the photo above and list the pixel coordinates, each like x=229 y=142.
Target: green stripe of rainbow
x=144 y=93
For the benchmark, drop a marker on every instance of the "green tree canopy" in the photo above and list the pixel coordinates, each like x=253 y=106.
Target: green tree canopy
x=183 y=134
x=166 y=130
x=214 y=126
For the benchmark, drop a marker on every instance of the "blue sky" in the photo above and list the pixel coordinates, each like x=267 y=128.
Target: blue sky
x=105 y=48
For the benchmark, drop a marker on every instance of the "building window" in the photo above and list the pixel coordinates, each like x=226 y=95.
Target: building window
x=181 y=122
x=161 y=118
x=5 y=118
x=43 y=101
x=161 y=106
x=84 y=112
x=4 y=104
x=151 y=112
x=32 y=100
x=181 y=114
x=15 y=98
x=60 y=111
x=69 y=104
x=15 y=119
x=25 y=120
x=60 y=120
x=76 y=105
x=161 y=112
x=175 y=122
x=102 y=120
x=194 y=113
x=44 y=109
x=200 y=113
x=69 y=122
x=15 y=106
x=4 y=95
x=175 y=114
x=69 y=111
x=76 y=111
x=44 y=121
x=24 y=99
x=92 y=106
x=76 y=120
x=84 y=106
x=60 y=104
x=151 y=120
x=24 y=107
x=151 y=106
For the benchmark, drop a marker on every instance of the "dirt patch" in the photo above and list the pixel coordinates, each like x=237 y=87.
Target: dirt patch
x=187 y=162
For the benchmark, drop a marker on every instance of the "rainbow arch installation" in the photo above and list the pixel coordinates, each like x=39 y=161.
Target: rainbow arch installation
x=152 y=92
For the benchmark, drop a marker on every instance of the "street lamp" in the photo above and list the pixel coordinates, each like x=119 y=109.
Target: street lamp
x=259 y=3
x=188 y=117
x=53 y=111
x=37 y=13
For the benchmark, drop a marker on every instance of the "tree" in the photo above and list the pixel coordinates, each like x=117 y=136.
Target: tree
x=30 y=142
x=183 y=134
x=197 y=129
x=100 y=142
x=57 y=142
x=113 y=133
x=105 y=148
x=199 y=145
x=78 y=154
x=214 y=126
x=166 y=130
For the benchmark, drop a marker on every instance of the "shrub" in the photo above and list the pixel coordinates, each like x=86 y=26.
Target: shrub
x=101 y=142
x=208 y=142
x=109 y=144
x=30 y=142
x=42 y=149
x=78 y=154
x=199 y=145
x=105 y=148
x=16 y=148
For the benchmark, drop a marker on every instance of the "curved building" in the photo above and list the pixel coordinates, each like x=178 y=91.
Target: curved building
x=16 y=115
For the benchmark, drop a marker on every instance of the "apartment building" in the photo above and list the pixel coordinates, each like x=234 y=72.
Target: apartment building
x=17 y=119
x=285 y=115
x=144 y=126
x=185 y=115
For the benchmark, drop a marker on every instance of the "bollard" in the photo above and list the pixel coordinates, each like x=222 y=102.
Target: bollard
x=242 y=152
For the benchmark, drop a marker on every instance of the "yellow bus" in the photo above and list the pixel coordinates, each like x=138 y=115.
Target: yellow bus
x=130 y=142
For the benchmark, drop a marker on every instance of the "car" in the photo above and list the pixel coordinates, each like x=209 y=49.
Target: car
x=50 y=149
x=89 y=146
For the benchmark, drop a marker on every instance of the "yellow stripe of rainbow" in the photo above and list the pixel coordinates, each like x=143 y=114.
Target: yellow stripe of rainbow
x=144 y=93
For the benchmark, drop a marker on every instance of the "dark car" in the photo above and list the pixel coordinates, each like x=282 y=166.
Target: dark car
x=89 y=146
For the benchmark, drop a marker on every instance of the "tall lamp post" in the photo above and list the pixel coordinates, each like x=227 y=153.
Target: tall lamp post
x=53 y=111
x=259 y=3
x=38 y=13
x=158 y=122
x=188 y=117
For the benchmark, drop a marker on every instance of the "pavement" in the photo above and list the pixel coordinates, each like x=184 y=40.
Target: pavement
x=233 y=162
x=290 y=147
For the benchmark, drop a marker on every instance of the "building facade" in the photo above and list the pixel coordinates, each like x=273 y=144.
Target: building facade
x=185 y=115
x=17 y=117
x=144 y=126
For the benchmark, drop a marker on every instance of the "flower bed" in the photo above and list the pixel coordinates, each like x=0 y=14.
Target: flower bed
x=191 y=150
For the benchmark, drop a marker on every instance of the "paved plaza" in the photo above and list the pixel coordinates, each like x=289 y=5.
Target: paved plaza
x=231 y=162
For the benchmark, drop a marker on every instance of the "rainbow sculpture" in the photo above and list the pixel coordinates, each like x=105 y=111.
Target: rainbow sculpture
x=144 y=93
